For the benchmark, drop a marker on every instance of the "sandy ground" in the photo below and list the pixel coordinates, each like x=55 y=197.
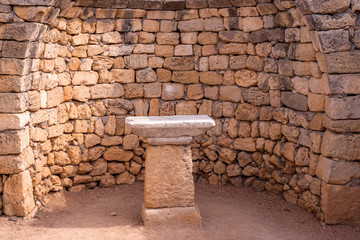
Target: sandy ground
x=227 y=212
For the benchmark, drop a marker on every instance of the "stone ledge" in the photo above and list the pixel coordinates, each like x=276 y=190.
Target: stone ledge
x=171 y=216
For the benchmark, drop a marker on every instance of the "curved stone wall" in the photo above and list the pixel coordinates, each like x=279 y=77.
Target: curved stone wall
x=280 y=78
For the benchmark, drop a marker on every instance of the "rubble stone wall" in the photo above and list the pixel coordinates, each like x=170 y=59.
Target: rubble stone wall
x=280 y=78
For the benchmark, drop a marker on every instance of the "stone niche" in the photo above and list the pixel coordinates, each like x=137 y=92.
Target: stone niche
x=279 y=78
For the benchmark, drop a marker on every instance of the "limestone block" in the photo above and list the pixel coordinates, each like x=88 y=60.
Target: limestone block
x=342 y=108
x=117 y=154
x=324 y=6
x=130 y=13
x=134 y=90
x=55 y=97
x=193 y=25
x=176 y=126
x=233 y=48
x=81 y=93
x=15 y=66
x=13 y=102
x=106 y=91
x=14 y=121
x=245 y=144
x=21 y=31
x=144 y=48
x=341 y=146
x=343 y=83
x=37 y=14
x=172 y=91
x=12 y=164
x=85 y=78
x=131 y=142
x=185 y=77
x=120 y=50
x=171 y=216
x=13 y=83
x=334 y=40
x=328 y=22
x=31 y=2
x=159 y=15
x=337 y=171
x=168 y=167
x=186 y=108
x=247 y=112
x=128 y=25
x=246 y=78
x=123 y=75
x=145 y=75
x=295 y=101
x=18 y=199
x=14 y=49
x=251 y=24
x=211 y=78
x=340 y=62
x=196 y=4
x=136 y=61
x=195 y=91
x=184 y=50
x=340 y=204
x=234 y=36
x=230 y=93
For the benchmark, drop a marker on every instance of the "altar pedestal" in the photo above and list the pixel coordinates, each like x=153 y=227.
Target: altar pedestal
x=169 y=186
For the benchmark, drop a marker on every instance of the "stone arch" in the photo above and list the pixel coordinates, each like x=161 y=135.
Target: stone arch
x=334 y=94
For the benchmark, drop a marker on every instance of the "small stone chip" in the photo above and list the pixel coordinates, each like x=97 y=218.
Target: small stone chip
x=113 y=214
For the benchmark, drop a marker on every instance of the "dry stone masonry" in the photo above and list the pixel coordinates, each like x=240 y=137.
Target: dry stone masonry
x=279 y=77
x=169 y=192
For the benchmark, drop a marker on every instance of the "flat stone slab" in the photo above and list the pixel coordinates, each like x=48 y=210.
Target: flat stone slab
x=170 y=126
x=171 y=216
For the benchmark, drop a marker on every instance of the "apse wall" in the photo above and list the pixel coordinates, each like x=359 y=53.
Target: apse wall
x=278 y=77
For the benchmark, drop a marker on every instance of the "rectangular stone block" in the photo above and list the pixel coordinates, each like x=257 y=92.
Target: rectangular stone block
x=13 y=83
x=14 y=142
x=13 y=102
x=14 y=49
x=337 y=171
x=14 y=121
x=21 y=31
x=12 y=164
x=15 y=66
x=344 y=83
x=340 y=204
x=341 y=146
x=18 y=198
x=106 y=91
x=31 y=2
x=340 y=62
x=174 y=4
x=342 y=108
x=171 y=216
x=341 y=126
x=168 y=177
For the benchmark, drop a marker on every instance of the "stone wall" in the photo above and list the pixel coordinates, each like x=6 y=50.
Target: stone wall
x=279 y=78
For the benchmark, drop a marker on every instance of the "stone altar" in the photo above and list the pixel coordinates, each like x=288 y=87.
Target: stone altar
x=169 y=185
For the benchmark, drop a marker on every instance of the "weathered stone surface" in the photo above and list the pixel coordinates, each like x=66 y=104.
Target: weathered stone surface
x=171 y=216
x=12 y=164
x=18 y=196
x=230 y=93
x=172 y=91
x=340 y=204
x=339 y=62
x=337 y=171
x=117 y=154
x=14 y=121
x=255 y=96
x=341 y=146
x=245 y=144
x=14 y=142
x=247 y=112
x=324 y=6
x=106 y=91
x=15 y=66
x=179 y=63
x=21 y=31
x=173 y=163
x=295 y=101
x=342 y=108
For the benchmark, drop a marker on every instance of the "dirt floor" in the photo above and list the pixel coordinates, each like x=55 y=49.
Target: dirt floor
x=227 y=212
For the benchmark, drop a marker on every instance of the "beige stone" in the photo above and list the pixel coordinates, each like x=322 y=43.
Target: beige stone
x=117 y=154
x=186 y=108
x=14 y=142
x=171 y=216
x=172 y=91
x=245 y=144
x=11 y=164
x=18 y=199
x=340 y=204
x=178 y=176
x=246 y=78
x=106 y=91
